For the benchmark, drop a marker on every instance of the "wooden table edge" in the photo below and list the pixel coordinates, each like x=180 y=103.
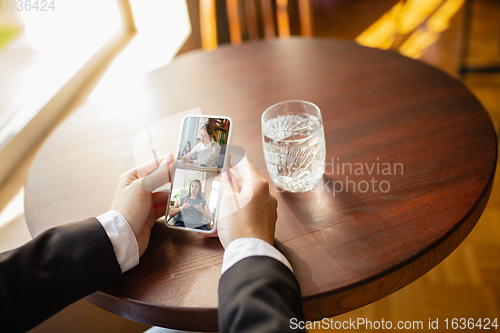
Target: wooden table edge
x=156 y=315
x=385 y=283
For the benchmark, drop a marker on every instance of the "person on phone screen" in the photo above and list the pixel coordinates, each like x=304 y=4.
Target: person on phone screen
x=207 y=151
x=193 y=209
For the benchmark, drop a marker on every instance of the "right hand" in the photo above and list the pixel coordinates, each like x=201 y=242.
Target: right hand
x=257 y=216
x=184 y=159
x=185 y=205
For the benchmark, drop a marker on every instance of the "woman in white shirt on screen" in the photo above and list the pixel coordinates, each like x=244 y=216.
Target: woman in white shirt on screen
x=207 y=151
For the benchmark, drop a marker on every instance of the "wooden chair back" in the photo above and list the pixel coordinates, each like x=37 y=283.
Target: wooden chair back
x=281 y=23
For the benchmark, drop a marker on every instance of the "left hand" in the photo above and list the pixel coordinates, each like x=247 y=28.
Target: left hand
x=198 y=208
x=134 y=200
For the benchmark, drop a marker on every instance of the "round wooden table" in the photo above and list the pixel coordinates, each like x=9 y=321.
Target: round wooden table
x=347 y=247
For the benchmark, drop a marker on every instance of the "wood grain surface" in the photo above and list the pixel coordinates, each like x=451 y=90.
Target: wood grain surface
x=347 y=248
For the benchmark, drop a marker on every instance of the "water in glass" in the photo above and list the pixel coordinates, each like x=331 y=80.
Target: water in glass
x=294 y=149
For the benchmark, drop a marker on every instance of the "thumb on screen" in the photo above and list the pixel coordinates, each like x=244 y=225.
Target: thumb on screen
x=225 y=184
x=162 y=175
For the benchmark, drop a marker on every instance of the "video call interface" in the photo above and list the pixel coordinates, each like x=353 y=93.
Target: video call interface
x=196 y=184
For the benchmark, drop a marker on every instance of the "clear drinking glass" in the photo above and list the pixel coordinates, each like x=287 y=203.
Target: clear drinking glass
x=294 y=145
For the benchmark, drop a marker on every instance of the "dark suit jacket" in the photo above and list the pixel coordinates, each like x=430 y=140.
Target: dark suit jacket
x=259 y=294
x=67 y=263
x=55 y=269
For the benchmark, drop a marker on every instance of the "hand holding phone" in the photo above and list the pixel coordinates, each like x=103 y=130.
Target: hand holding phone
x=135 y=202
x=247 y=207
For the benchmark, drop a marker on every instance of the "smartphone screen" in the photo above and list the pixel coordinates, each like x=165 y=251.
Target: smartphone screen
x=201 y=155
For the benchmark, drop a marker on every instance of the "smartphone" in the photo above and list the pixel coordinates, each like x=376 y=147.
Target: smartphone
x=201 y=155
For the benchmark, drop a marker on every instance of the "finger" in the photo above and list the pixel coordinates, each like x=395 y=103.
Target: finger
x=145 y=169
x=247 y=171
x=237 y=182
x=274 y=202
x=150 y=221
x=133 y=174
x=160 y=176
x=160 y=198
x=138 y=228
x=236 y=153
x=160 y=211
x=226 y=185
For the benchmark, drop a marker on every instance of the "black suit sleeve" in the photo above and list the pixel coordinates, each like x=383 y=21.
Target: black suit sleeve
x=258 y=294
x=55 y=269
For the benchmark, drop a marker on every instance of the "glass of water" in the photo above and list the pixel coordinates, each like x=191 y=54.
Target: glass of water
x=294 y=145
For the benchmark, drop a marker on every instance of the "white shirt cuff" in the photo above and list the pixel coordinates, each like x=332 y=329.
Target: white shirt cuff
x=242 y=248
x=122 y=237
